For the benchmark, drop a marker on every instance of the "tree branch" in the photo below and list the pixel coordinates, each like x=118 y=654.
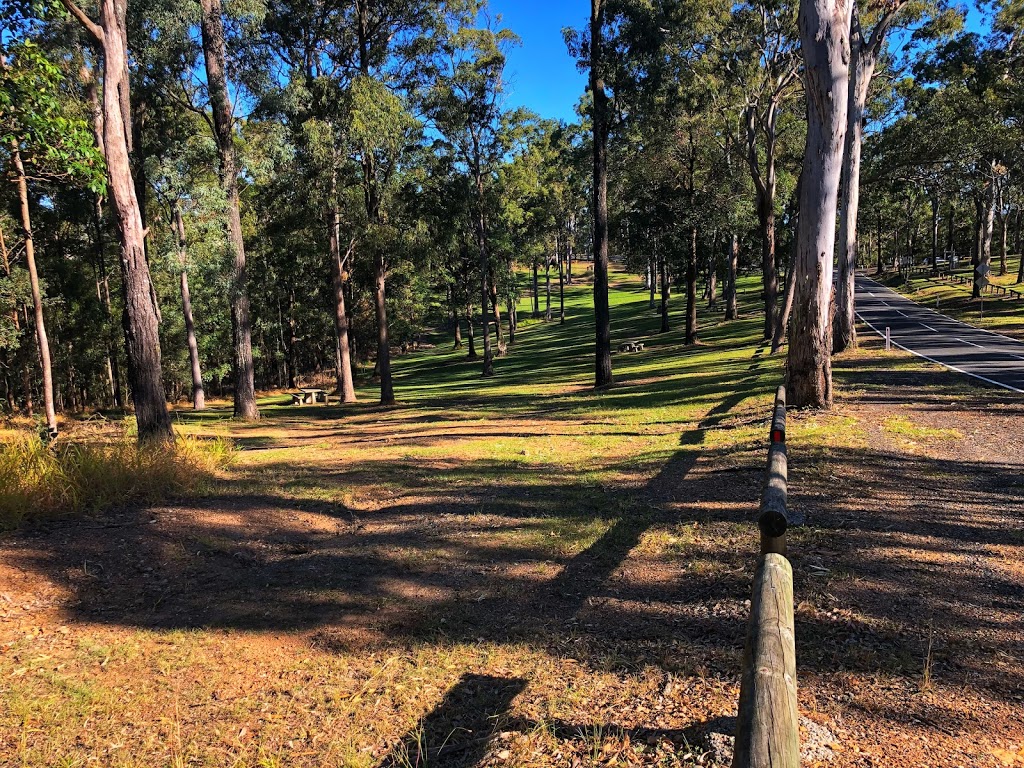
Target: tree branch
x=90 y=26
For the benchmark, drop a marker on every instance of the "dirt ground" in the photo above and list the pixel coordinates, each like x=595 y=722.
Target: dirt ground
x=424 y=607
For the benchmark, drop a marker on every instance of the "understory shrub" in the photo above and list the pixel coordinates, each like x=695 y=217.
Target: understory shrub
x=38 y=480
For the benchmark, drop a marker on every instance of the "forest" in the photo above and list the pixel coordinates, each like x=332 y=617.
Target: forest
x=261 y=194
x=358 y=407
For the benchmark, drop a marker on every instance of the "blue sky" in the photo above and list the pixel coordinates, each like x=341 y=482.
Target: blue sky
x=541 y=73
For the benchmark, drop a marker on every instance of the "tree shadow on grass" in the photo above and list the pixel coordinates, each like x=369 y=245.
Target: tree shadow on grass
x=458 y=731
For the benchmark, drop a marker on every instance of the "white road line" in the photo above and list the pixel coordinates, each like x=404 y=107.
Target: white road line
x=965 y=341
x=939 y=362
x=930 y=328
x=904 y=314
x=946 y=317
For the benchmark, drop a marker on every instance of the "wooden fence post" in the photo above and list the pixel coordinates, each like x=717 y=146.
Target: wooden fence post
x=767 y=725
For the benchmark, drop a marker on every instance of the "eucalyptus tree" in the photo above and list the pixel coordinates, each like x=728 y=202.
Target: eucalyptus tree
x=825 y=42
x=871 y=24
x=215 y=60
x=762 y=53
x=40 y=131
x=465 y=105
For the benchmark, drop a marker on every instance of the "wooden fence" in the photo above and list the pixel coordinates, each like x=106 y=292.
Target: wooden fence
x=966 y=278
x=767 y=734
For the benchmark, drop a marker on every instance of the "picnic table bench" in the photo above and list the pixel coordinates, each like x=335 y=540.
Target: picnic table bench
x=631 y=346
x=309 y=396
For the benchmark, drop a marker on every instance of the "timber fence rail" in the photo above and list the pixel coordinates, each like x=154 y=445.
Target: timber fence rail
x=767 y=725
x=965 y=278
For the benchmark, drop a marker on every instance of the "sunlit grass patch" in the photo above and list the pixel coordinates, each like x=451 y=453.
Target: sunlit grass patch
x=901 y=426
x=38 y=480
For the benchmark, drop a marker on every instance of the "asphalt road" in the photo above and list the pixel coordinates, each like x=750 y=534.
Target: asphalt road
x=988 y=356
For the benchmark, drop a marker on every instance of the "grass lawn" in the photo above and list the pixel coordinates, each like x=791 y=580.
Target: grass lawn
x=521 y=571
x=996 y=313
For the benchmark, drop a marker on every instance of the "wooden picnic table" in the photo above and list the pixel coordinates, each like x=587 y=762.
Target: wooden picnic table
x=309 y=396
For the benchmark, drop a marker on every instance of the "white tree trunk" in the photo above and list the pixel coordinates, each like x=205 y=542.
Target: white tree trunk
x=825 y=38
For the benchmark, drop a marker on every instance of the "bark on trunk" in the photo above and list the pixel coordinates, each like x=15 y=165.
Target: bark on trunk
x=547 y=290
x=471 y=354
x=212 y=27
x=458 y=327
x=561 y=289
x=862 y=66
x=602 y=315
x=987 y=228
x=37 y=297
x=691 y=290
x=198 y=394
x=730 y=285
x=536 y=291
x=825 y=38
x=652 y=270
x=787 y=303
x=935 y=232
x=663 y=277
x=344 y=381
x=140 y=314
x=372 y=199
x=141 y=323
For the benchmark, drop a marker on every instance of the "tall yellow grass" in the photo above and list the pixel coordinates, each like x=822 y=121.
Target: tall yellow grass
x=41 y=481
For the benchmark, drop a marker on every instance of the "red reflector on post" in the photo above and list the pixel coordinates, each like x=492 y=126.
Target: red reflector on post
x=778 y=436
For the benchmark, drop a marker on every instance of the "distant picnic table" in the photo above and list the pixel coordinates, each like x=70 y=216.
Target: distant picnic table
x=309 y=396
x=631 y=346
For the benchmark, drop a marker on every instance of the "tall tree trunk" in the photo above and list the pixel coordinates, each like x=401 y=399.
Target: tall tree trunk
x=471 y=355
x=663 y=276
x=485 y=300
x=844 y=334
x=212 y=26
x=825 y=39
x=787 y=303
x=372 y=198
x=979 y=239
x=561 y=287
x=513 y=320
x=496 y=313
x=103 y=285
x=547 y=289
x=345 y=384
x=730 y=283
x=652 y=270
x=765 y=188
x=572 y=239
x=987 y=228
x=198 y=395
x=457 y=321
x=691 y=289
x=141 y=320
x=935 y=232
x=713 y=272
x=37 y=297
x=536 y=291
x=602 y=313
x=950 y=230
x=292 y=358
x=878 y=244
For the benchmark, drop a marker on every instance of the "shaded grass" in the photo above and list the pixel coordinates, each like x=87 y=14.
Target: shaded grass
x=512 y=571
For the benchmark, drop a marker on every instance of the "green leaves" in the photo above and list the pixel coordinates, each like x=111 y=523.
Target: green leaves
x=43 y=120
